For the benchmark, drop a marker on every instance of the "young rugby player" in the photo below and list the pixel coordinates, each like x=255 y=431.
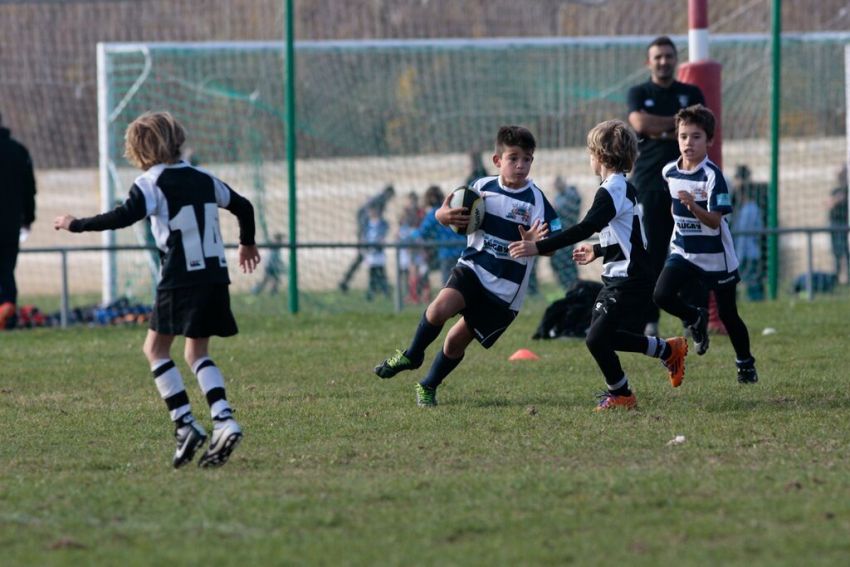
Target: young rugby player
x=192 y=297
x=487 y=287
x=626 y=273
x=702 y=249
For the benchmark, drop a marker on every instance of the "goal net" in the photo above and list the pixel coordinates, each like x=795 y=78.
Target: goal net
x=410 y=112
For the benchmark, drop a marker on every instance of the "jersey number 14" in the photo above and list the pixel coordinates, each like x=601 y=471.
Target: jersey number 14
x=194 y=249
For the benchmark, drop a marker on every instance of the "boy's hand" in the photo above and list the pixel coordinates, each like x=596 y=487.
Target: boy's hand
x=583 y=254
x=527 y=246
x=537 y=231
x=523 y=248
x=447 y=216
x=686 y=199
x=63 y=222
x=249 y=257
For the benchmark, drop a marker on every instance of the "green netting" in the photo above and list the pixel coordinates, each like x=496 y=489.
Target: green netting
x=409 y=112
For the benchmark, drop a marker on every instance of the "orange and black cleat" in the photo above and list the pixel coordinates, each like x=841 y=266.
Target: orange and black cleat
x=675 y=363
x=608 y=401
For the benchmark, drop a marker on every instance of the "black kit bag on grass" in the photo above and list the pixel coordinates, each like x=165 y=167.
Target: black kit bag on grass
x=570 y=316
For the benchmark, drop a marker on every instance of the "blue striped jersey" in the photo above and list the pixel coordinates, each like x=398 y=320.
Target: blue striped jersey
x=506 y=209
x=710 y=249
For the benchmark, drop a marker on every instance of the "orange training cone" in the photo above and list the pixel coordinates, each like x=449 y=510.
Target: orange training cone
x=524 y=354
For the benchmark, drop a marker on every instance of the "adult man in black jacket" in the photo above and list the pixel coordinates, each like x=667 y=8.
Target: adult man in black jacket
x=652 y=108
x=17 y=211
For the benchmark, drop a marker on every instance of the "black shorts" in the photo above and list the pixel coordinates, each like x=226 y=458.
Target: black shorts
x=194 y=312
x=711 y=280
x=624 y=304
x=487 y=317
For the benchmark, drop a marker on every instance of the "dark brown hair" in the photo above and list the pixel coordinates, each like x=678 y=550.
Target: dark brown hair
x=662 y=40
x=697 y=115
x=516 y=136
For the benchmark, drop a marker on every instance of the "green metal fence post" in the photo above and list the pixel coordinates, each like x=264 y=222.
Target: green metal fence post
x=291 y=155
x=773 y=196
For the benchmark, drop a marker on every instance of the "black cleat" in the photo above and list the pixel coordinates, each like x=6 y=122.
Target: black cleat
x=395 y=364
x=699 y=331
x=190 y=437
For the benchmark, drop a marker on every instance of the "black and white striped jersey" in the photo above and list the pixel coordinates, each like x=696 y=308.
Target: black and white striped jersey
x=614 y=214
x=711 y=249
x=182 y=202
x=504 y=278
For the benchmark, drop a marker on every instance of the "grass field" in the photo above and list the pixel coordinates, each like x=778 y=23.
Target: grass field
x=513 y=468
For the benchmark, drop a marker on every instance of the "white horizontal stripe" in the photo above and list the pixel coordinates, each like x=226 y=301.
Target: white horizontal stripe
x=618 y=269
x=460 y=43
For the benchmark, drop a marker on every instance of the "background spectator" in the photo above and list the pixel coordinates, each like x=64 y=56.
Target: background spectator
x=748 y=215
x=413 y=267
x=567 y=204
x=838 y=219
x=430 y=230
x=376 y=233
x=274 y=269
x=378 y=203
x=17 y=213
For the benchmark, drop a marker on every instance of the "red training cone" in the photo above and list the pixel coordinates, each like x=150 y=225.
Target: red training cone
x=524 y=354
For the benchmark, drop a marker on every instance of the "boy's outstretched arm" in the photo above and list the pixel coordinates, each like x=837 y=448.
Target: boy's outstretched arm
x=125 y=214
x=63 y=222
x=601 y=212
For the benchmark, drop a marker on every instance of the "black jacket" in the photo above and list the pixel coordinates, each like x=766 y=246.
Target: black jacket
x=17 y=188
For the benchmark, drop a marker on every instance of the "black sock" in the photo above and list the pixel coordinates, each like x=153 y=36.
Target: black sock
x=621 y=388
x=426 y=333
x=440 y=368
x=622 y=391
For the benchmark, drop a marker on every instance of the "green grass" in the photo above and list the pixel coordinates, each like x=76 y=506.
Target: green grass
x=339 y=467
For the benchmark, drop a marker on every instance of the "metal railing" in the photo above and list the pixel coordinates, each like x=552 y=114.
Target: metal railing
x=65 y=252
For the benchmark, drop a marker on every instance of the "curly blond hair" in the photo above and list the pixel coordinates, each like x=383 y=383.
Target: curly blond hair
x=152 y=138
x=614 y=144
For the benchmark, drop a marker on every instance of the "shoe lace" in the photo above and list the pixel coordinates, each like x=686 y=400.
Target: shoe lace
x=425 y=394
x=603 y=396
x=396 y=359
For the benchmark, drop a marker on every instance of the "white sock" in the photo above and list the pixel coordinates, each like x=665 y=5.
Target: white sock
x=211 y=382
x=169 y=382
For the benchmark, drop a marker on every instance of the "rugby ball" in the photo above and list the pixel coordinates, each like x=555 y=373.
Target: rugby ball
x=472 y=201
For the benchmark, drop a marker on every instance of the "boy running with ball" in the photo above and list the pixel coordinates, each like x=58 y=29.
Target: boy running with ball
x=192 y=297
x=626 y=272
x=487 y=287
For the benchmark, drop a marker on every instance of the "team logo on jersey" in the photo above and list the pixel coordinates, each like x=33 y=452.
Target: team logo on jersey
x=723 y=200
x=520 y=212
x=686 y=226
x=649 y=103
x=500 y=247
x=683 y=100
